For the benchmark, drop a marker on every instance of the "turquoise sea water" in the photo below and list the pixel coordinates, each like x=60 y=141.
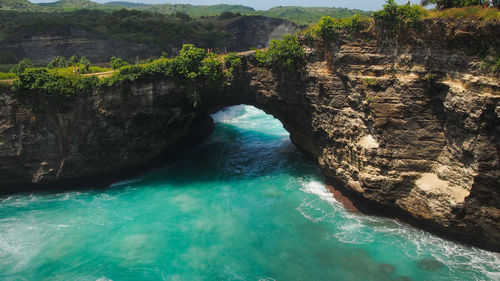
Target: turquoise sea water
x=246 y=205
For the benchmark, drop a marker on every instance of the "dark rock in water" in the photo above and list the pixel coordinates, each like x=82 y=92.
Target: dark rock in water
x=387 y=268
x=429 y=264
x=403 y=278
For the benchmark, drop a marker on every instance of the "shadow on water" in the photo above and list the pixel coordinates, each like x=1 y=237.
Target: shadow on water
x=234 y=154
x=230 y=153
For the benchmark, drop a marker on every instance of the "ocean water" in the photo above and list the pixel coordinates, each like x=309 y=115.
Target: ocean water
x=245 y=205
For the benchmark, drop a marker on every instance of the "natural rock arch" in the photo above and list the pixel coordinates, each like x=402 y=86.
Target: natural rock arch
x=371 y=117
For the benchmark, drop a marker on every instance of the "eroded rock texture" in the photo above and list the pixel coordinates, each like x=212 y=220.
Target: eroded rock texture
x=411 y=124
x=107 y=132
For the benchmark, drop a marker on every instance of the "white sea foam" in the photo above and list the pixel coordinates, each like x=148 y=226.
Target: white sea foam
x=361 y=229
x=250 y=118
x=125 y=182
x=318 y=188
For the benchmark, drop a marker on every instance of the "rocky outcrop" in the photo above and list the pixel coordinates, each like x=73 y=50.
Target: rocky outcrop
x=411 y=125
x=107 y=132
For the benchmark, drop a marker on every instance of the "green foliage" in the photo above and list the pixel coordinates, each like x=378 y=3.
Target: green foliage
x=84 y=61
x=370 y=81
x=117 y=63
x=446 y=4
x=62 y=62
x=233 y=64
x=192 y=65
x=286 y=55
x=58 y=62
x=37 y=85
x=73 y=60
x=399 y=17
x=189 y=61
x=493 y=65
x=19 y=5
x=228 y=16
x=310 y=15
x=211 y=70
x=328 y=27
x=125 y=25
x=22 y=65
x=477 y=12
x=4 y=76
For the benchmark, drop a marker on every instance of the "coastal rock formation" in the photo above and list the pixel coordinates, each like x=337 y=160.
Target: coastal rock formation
x=409 y=124
x=107 y=132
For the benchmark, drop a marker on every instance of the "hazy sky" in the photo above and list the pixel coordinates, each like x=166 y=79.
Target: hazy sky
x=371 y=5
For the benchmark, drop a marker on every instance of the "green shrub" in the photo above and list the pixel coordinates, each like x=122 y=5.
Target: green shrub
x=58 y=62
x=446 y=4
x=73 y=60
x=233 y=64
x=117 y=63
x=328 y=27
x=84 y=61
x=398 y=17
x=192 y=66
x=22 y=65
x=286 y=54
x=191 y=63
x=211 y=69
x=4 y=76
x=232 y=60
x=189 y=60
x=493 y=65
x=36 y=83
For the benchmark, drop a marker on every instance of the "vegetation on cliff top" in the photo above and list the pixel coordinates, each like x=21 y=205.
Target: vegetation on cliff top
x=397 y=18
x=284 y=55
x=197 y=69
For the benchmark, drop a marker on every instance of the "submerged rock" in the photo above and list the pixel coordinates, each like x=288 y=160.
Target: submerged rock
x=429 y=264
x=387 y=268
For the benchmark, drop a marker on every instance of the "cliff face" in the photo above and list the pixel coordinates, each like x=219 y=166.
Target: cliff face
x=410 y=124
x=109 y=131
x=42 y=46
x=257 y=31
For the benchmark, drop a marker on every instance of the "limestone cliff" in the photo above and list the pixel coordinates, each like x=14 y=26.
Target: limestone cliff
x=107 y=132
x=409 y=124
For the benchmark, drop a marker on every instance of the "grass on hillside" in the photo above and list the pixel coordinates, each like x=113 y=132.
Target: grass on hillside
x=4 y=76
x=466 y=12
x=69 y=70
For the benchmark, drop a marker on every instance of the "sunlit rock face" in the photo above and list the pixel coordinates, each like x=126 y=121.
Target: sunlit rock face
x=410 y=125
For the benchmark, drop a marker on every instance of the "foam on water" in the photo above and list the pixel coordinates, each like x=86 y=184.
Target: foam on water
x=246 y=205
